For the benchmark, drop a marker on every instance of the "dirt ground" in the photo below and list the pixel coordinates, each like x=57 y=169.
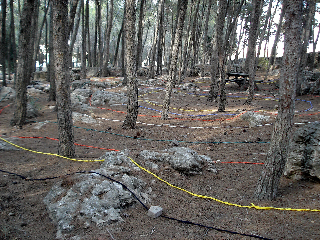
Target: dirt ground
x=23 y=214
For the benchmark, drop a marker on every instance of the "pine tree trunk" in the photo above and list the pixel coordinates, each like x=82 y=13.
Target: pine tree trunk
x=61 y=58
x=218 y=58
x=140 y=34
x=173 y=65
x=87 y=29
x=3 y=41
x=95 y=42
x=184 y=53
x=277 y=155
x=205 y=43
x=50 y=72
x=115 y=59
x=194 y=43
x=251 y=59
x=13 y=49
x=34 y=26
x=74 y=32
x=100 y=44
x=265 y=25
x=84 y=45
x=160 y=37
x=277 y=37
x=311 y=6
x=23 y=73
x=106 y=54
x=132 y=105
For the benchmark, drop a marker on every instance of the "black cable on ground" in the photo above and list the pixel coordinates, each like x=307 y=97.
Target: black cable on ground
x=124 y=186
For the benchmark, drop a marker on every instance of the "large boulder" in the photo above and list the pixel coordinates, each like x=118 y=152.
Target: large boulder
x=7 y=93
x=304 y=153
x=254 y=119
x=104 y=97
x=92 y=198
x=182 y=159
x=80 y=98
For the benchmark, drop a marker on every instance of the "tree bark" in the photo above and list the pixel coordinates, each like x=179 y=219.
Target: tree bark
x=194 y=43
x=38 y=37
x=276 y=158
x=74 y=32
x=61 y=58
x=132 y=105
x=50 y=72
x=23 y=73
x=310 y=11
x=115 y=58
x=265 y=25
x=140 y=34
x=173 y=65
x=106 y=55
x=277 y=37
x=160 y=42
x=251 y=59
x=218 y=58
x=87 y=29
x=205 y=42
x=13 y=49
x=3 y=40
x=84 y=45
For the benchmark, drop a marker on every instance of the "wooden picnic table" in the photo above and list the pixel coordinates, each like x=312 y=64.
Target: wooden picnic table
x=238 y=78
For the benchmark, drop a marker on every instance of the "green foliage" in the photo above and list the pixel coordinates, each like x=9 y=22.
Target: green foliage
x=263 y=63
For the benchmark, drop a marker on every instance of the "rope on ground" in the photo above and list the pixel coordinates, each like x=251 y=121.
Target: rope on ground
x=51 y=154
x=220 y=201
x=171 y=185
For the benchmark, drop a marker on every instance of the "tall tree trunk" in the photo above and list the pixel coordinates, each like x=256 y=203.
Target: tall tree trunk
x=95 y=42
x=87 y=29
x=262 y=36
x=34 y=25
x=84 y=45
x=221 y=55
x=115 y=59
x=100 y=49
x=277 y=155
x=218 y=58
x=50 y=72
x=251 y=59
x=311 y=7
x=277 y=37
x=106 y=55
x=205 y=42
x=4 y=40
x=160 y=42
x=130 y=33
x=175 y=51
x=61 y=56
x=184 y=56
x=13 y=49
x=314 y=45
x=156 y=39
x=74 y=32
x=140 y=34
x=23 y=73
x=194 y=43
x=38 y=37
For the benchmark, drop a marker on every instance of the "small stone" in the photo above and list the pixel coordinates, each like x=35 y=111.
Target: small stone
x=155 y=211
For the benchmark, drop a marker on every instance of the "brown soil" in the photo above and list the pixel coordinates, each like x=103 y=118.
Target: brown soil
x=23 y=214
